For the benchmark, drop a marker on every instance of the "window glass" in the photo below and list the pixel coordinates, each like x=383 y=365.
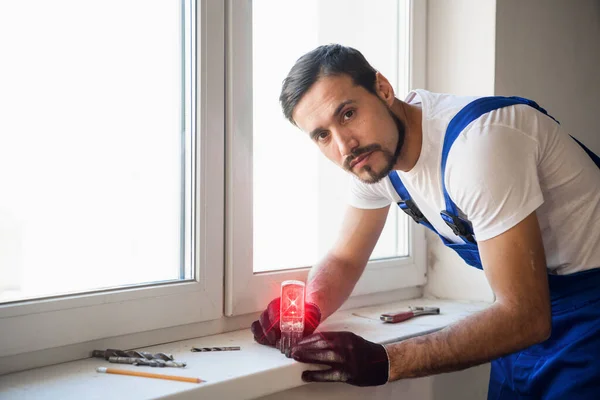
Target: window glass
x=92 y=146
x=300 y=196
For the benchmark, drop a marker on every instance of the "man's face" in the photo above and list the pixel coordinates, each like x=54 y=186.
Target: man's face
x=353 y=127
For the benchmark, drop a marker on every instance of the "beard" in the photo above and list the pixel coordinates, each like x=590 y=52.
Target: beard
x=390 y=158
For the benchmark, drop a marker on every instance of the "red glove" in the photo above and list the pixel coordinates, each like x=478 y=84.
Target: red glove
x=266 y=330
x=352 y=359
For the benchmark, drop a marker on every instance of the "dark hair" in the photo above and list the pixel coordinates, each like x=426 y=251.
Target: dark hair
x=326 y=60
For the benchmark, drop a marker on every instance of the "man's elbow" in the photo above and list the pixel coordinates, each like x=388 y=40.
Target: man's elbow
x=540 y=327
x=533 y=325
x=544 y=332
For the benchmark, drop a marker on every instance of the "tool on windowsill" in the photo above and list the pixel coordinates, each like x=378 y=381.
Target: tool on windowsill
x=138 y=358
x=146 y=362
x=404 y=315
x=222 y=348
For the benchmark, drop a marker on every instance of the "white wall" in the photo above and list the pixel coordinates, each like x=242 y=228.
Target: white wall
x=454 y=29
x=549 y=51
x=461 y=38
x=449 y=277
x=469 y=384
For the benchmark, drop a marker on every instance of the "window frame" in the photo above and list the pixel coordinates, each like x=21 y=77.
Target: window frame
x=43 y=332
x=47 y=323
x=247 y=291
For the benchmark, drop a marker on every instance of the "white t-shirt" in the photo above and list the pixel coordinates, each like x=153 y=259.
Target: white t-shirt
x=502 y=167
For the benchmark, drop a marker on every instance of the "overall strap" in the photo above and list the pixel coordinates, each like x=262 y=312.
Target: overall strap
x=406 y=204
x=464 y=117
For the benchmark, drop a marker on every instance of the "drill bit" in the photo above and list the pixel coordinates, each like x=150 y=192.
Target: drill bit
x=106 y=354
x=146 y=362
x=222 y=348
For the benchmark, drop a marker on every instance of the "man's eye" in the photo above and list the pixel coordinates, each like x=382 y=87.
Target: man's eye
x=322 y=135
x=348 y=114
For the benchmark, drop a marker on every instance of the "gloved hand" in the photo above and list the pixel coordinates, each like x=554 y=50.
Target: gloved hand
x=352 y=359
x=266 y=330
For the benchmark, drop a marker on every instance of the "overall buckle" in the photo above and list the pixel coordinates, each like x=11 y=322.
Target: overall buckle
x=459 y=226
x=409 y=207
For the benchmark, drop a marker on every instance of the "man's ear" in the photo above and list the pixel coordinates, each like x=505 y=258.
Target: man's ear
x=384 y=89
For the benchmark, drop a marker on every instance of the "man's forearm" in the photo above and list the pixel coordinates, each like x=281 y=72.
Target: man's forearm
x=330 y=283
x=480 y=338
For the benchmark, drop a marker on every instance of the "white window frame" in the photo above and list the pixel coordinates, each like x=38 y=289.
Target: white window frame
x=247 y=291
x=53 y=322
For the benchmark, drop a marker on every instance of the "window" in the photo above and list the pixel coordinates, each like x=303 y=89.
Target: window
x=105 y=143
x=133 y=159
x=298 y=197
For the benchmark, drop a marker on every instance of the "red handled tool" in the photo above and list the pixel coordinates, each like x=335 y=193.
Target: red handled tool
x=404 y=315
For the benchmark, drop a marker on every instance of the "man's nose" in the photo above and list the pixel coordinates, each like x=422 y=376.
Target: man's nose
x=346 y=142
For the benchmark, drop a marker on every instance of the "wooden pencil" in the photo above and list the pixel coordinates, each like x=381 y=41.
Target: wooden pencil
x=148 y=375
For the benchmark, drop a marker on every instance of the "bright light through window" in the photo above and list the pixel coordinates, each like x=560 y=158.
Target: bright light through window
x=91 y=138
x=299 y=196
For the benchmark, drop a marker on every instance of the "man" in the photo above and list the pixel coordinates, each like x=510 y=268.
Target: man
x=501 y=183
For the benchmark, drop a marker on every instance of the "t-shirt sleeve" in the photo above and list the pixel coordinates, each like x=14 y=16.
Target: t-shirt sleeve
x=491 y=175
x=362 y=195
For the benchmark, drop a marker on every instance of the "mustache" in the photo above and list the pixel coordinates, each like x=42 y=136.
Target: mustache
x=359 y=152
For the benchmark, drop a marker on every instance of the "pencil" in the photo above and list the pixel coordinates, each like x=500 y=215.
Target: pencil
x=148 y=375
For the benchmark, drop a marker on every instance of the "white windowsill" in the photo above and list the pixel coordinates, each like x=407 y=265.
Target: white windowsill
x=253 y=371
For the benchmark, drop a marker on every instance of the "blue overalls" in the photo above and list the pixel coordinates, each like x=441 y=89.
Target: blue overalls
x=567 y=365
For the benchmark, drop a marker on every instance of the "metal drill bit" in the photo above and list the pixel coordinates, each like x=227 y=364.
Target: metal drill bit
x=146 y=362
x=106 y=354
x=223 y=348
